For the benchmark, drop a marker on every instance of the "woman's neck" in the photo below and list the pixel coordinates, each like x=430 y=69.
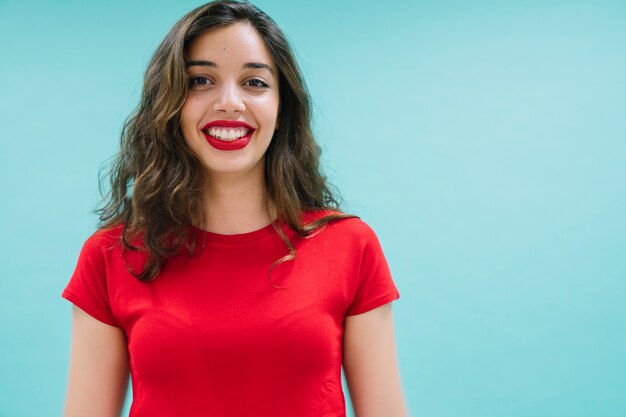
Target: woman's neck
x=237 y=205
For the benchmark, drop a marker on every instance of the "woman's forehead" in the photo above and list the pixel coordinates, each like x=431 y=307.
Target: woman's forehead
x=236 y=43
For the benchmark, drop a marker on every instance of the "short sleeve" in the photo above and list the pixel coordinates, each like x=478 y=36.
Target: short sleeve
x=88 y=287
x=375 y=286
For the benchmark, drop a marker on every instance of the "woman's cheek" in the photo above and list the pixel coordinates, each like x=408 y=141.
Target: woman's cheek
x=191 y=113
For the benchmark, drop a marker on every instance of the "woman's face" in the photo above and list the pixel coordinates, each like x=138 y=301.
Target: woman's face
x=231 y=110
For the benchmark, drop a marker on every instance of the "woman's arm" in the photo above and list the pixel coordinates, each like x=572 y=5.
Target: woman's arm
x=370 y=364
x=98 y=375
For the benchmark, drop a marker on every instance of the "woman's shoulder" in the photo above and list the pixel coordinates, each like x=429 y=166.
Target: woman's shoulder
x=354 y=226
x=104 y=237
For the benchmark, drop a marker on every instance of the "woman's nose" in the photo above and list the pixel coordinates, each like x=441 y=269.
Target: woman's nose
x=229 y=99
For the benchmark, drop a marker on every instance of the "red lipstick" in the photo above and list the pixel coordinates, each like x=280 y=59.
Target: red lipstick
x=228 y=145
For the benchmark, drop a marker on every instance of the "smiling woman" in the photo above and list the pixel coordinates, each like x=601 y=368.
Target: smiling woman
x=224 y=278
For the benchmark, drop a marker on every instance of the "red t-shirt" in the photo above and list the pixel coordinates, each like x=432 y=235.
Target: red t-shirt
x=210 y=336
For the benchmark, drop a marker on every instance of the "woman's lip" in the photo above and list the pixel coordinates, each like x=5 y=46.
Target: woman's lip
x=232 y=145
x=227 y=123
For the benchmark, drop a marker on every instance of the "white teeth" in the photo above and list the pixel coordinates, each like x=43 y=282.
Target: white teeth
x=227 y=133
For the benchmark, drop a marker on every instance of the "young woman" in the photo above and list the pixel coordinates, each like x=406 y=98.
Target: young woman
x=224 y=279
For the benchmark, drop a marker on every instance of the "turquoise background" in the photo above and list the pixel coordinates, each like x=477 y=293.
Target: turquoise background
x=484 y=141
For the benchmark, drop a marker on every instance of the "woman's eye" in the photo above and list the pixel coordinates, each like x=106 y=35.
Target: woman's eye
x=255 y=82
x=199 y=81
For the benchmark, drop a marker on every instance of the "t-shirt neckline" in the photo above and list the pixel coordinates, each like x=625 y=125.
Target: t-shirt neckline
x=238 y=238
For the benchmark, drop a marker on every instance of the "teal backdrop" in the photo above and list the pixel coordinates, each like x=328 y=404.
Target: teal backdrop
x=484 y=141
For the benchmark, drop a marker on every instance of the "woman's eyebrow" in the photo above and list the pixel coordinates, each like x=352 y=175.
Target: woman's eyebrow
x=255 y=65
x=200 y=64
x=258 y=65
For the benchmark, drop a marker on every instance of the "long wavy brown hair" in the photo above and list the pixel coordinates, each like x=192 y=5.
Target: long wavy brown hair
x=156 y=182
